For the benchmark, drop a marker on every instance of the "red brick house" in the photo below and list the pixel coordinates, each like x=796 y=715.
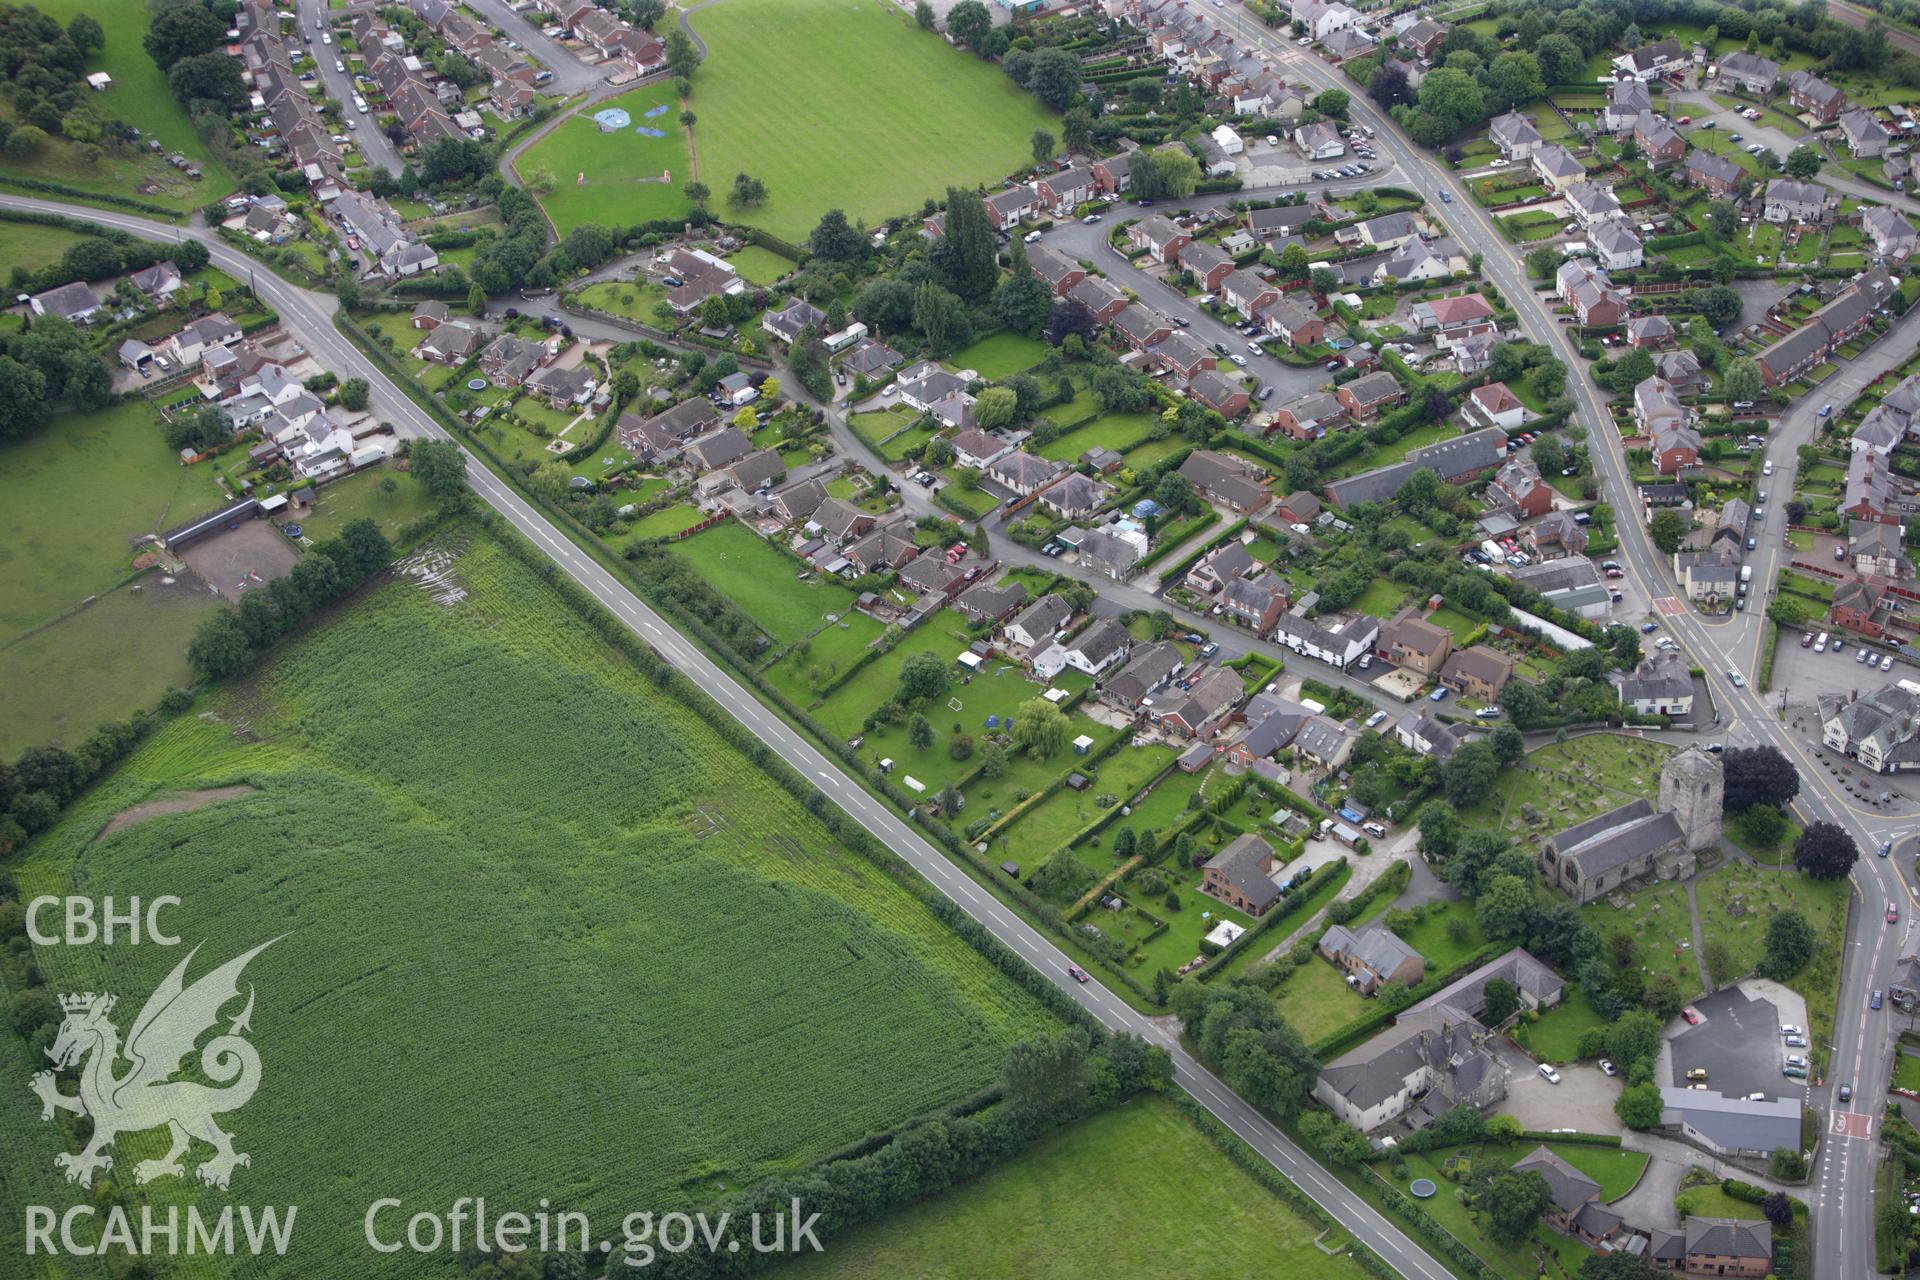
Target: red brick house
x=1228 y=399
x=1159 y=237
x=1365 y=397
x=1208 y=263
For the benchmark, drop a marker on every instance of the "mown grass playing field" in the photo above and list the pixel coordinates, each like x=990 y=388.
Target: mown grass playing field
x=1137 y=1191
x=848 y=106
x=621 y=168
x=543 y=932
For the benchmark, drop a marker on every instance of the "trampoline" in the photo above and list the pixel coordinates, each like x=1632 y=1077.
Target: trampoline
x=1422 y=1188
x=611 y=119
x=476 y=384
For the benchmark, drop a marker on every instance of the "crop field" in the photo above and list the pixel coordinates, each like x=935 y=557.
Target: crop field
x=848 y=106
x=622 y=168
x=139 y=96
x=743 y=567
x=57 y=549
x=102 y=663
x=1049 y=1215
x=557 y=940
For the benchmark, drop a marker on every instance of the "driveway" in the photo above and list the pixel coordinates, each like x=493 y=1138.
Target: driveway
x=1583 y=1099
x=1738 y=1044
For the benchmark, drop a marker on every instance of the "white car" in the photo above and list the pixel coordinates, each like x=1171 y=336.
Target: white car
x=1304 y=41
x=1501 y=163
x=1767 y=470
x=1548 y=1074
x=1273 y=140
x=1238 y=359
x=1032 y=236
x=340 y=66
x=326 y=37
x=1739 y=681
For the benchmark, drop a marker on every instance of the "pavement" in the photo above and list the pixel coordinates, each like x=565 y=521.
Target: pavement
x=311 y=315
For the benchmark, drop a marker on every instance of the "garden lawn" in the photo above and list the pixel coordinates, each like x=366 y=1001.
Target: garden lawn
x=505 y=828
x=622 y=168
x=140 y=97
x=1000 y=355
x=1710 y=1201
x=361 y=495
x=1317 y=1000
x=892 y=426
x=1906 y=1072
x=1516 y=1262
x=848 y=106
x=1061 y=816
x=759 y=266
x=766 y=585
x=75 y=496
x=1430 y=937
x=633 y=299
x=1556 y=1036
x=1116 y=431
x=1382 y=598
x=1048 y=1215
x=848 y=706
x=995 y=693
x=663 y=523
x=819 y=658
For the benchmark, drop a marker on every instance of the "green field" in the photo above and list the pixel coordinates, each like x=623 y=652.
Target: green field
x=32 y=246
x=741 y=565
x=622 y=168
x=140 y=97
x=99 y=664
x=541 y=930
x=1184 y=1210
x=848 y=106
x=74 y=498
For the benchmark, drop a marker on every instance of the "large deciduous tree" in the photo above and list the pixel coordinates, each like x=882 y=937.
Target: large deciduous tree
x=1513 y=1203
x=1825 y=852
x=1759 y=775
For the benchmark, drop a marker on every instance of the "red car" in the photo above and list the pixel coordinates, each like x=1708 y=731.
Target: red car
x=1078 y=974
x=1692 y=1015
x=1893 y=911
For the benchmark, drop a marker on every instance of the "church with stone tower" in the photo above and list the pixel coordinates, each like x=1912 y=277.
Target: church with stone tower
x=1639 y=841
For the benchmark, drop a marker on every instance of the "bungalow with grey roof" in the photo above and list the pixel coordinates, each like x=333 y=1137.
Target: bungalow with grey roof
x=1145 y=673
x=1021 y=471
x=1074 y=496
x=75 y=302
x=1372 y=958
x=1039 y=622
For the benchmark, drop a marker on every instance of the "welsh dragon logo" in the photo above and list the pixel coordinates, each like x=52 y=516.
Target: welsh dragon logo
x=146 y=1096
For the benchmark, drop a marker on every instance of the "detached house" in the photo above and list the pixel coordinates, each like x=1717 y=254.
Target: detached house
x=1557 y=167
x=1039 y=622
x=1478 y=672
x=1241 y=875
x=1372 y=958
x=1519 y=488
x=1433 y=1058
x=1364 y=398
x=1413 y=644
x=1515 y=135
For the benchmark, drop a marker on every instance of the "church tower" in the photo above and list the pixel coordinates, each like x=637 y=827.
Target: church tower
x=1693 y=788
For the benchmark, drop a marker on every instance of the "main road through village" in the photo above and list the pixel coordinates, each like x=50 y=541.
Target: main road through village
x=309 y=316
x=1841 y=1191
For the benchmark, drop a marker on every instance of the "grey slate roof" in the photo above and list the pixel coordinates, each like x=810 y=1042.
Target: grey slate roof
x=1571 y=1188
x=1615 y=838
x=1239 y=864
x=1730 y=1237
x=1758 y=1124
x=1375 y=947
x=1518 y=967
